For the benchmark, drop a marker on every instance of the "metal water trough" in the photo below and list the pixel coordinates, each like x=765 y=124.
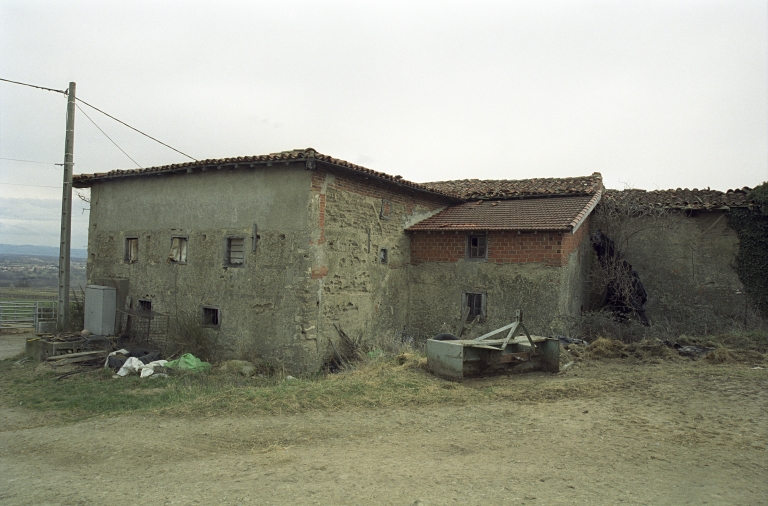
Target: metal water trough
x=457 y=359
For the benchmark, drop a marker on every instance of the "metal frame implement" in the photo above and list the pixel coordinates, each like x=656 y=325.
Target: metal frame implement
x=459 y=359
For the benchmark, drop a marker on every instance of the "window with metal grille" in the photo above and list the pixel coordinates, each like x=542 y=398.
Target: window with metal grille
x=476 y=304
x=145 y=305
x=131 y=249
x=178 y=254
x=235 y=250
x=210 y=316
x=477 y=246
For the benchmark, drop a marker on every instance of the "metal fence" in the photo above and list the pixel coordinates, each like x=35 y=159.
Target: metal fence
x=26 y=314
x=144 y=326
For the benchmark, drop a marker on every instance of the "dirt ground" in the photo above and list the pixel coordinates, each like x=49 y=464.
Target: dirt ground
x=666 y=433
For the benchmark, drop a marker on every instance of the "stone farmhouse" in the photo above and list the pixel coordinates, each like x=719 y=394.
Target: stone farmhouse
x=274 y=252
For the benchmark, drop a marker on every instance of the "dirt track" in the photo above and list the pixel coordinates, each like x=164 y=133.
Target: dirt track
x=671 y=433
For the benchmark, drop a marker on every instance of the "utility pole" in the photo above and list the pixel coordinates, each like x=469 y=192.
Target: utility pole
x=66 y=213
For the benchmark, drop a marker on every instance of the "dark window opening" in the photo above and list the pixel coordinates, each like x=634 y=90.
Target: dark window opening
x=477 y=246
x=210 y=316
x=476 y=304
x=131 y=249
x=145 y=305
x=235 y=250
x=383 y=255
x=178 y=252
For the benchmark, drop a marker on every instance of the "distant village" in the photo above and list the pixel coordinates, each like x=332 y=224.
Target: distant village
x=37 y=271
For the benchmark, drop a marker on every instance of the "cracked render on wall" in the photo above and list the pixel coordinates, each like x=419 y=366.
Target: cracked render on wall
x=260 y=301
x=361 y=255
x=685 y=260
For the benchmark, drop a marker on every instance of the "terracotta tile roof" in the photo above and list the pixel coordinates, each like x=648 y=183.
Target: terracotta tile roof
x=308 y=155
x=470 y=189
x=556 y=213
x=681 y=198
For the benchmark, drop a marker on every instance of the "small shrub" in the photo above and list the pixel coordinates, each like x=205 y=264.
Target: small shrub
x=77 y=310
x=187 y=335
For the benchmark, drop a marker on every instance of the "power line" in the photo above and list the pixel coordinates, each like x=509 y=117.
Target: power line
x=135 y=129
x=107 y=136
x=63 y=92
x=35 y=185
x=29 y=161
x=105 y=114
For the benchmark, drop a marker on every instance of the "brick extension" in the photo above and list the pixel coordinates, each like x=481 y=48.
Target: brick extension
x=550 y=248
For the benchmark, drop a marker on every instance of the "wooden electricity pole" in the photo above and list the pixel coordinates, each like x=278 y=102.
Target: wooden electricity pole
x=66 y=213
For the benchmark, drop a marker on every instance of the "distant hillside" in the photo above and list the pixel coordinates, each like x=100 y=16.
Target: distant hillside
x=45 y=251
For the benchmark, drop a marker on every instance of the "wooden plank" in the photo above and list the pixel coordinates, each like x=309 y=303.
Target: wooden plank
x=74 y=360
x=464 y=316
x=91 y=354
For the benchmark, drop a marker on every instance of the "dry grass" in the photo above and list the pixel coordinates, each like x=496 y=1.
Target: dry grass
x=379 y=381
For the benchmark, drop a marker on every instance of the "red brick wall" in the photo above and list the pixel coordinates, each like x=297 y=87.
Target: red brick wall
x=551 y=248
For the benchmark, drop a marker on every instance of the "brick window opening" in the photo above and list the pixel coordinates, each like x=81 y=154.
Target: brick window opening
x=211 y=316
x=145 y=305
x=386 y=209
x=235 y=250
x=131 y=249
x=477 y=246
x=476 y=304
x=383 y=256
x=178 y=252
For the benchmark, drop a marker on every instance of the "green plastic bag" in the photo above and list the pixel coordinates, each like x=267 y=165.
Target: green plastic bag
x=189 y=362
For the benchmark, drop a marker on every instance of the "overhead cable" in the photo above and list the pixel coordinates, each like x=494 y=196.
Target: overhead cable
x=136 y=129
x=107 y=136
x=64 y=92
x=29 y=161
x=33 y=86
x=35 y=185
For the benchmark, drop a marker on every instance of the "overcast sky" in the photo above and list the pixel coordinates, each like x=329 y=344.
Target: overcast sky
x=652 y=94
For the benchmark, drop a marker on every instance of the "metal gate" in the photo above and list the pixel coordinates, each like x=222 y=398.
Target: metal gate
x=26 y=314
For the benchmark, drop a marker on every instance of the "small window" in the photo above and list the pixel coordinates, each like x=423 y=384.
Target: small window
x=145 y=305
x=210 y=316
x=476 y=304
x=383 y=256
x=235 y=250
x=477 y=246
x=386 y=209
x=131 y=249
x=178 y=253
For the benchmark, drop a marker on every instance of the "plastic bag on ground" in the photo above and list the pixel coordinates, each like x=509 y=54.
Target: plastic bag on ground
x=132 y=365
x=135 y=365
x=188 y=362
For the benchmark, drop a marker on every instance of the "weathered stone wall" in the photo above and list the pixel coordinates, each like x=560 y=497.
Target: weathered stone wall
x=261 y=302
x=685 y=260
x=355 y=218
x=545 y=286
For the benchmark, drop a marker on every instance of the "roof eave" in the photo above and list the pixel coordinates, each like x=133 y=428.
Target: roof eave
x=584 y=213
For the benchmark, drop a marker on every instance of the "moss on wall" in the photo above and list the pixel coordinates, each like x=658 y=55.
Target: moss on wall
x=751 y=225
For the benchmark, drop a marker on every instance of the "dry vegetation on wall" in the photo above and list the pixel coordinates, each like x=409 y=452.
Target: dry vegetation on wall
x=187 y=335
x=751 y=225
x=614 y=283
